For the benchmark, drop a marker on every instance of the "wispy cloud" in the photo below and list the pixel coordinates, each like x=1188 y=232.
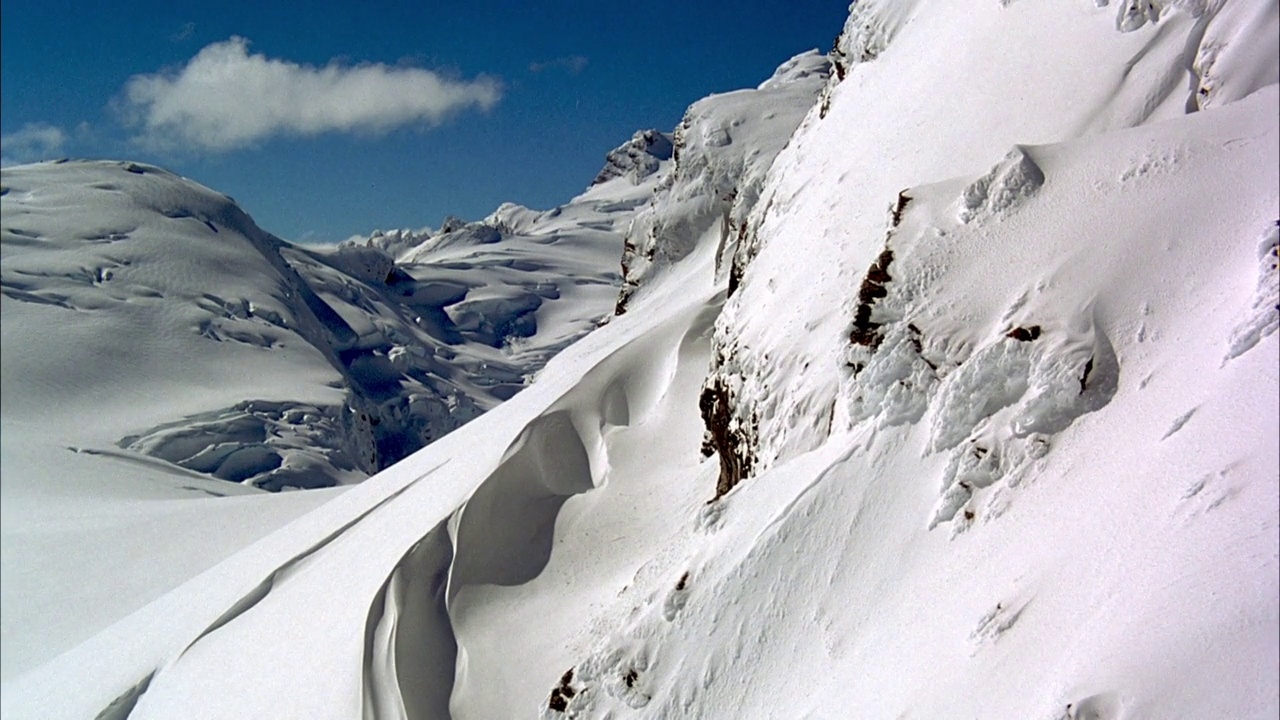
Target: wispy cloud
x=188 y=29
x=226 y=98
x=35 y=141
x=572 y=64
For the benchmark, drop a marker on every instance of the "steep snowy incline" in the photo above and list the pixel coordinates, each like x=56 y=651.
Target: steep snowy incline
x=921 y=100
x=1051 y=487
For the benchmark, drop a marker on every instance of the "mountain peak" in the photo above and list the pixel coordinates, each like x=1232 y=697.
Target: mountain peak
x=638 y=158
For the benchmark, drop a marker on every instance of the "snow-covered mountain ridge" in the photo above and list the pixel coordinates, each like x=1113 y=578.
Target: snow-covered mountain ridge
x=158 y=344
x=990 y=372
x=419 y=343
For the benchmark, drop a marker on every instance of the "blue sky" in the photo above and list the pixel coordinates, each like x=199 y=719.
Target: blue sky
x=329 y=119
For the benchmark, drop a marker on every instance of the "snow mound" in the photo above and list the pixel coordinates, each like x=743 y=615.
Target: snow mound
x=1011 y=181
x=1263 y=316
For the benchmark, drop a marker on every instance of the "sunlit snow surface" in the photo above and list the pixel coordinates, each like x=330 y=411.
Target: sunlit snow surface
x=1042 y=482
x=159 y=345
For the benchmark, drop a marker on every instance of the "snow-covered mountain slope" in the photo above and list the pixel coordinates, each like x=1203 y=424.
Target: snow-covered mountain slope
x=159 y=345
x=995 y=403
x=354 y=360
x=721 y=151
x=912 y=112
x=536 y=281
x=153 y=340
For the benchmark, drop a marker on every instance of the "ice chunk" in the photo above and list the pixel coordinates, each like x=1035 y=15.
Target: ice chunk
x=1011 y=181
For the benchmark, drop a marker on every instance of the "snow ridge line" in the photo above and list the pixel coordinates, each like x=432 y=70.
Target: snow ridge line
x=122 y=707
x=254 y=596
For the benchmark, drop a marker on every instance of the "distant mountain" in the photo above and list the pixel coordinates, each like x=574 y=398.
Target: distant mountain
x=292 y=366
x=944 y=384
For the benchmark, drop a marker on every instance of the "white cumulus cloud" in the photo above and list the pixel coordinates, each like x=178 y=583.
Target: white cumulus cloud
x=35 y=141
x=225 y=98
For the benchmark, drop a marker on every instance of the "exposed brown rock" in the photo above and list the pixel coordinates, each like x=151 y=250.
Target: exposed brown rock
x=865 y=332
x=903 y=200
x=562 y=693
x=724 y=438
x=1024 y=334
x=1084 y=378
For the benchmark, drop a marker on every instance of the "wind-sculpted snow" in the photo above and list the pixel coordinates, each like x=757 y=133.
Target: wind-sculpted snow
x=410 y=649
x=281 y=573
x=121 y=707
x=570 y=434
x=578 y=464
x=504 y=532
